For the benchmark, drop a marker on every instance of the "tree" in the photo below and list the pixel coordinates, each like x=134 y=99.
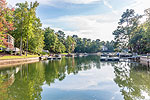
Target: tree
x=61 y=36
x=50 y=39
x=52 y=43
x=28 y=28
x=86 y=45
x=70 y=44
x=6 y=19
x=124 y=30
x=60 y=47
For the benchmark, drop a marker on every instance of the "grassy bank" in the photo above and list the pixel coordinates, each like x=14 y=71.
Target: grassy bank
x=16 y=57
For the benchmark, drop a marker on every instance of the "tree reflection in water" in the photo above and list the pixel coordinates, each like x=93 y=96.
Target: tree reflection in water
x=25 y=82
x=133 y=80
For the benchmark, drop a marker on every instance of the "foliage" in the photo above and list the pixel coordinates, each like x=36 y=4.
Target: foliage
x=123 y=31
x=52 y=42
x=135 y=35
x=88 y=46
x=28 y=27
x=6 y=19
x=29 y=36
x=70 y=44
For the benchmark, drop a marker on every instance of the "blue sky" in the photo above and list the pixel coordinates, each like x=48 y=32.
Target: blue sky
x=95 y=19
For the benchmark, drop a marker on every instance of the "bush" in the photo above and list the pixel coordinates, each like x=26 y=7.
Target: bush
x=44 y=53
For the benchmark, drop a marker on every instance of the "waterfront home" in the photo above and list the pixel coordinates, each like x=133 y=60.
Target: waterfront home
x=7 y=41
x=46 y=51
x=104 y=48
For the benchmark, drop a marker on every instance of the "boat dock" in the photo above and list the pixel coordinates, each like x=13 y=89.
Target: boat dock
x=121 y=56
x=145 y=60
x=54 y=58
x=109 y=59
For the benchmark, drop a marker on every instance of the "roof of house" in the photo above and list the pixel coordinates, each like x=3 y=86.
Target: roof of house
x=11 y=36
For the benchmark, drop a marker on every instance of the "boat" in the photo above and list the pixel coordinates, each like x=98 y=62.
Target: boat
x=42 y=57
x=80 y=55
x=103 y=58
x=113 y=59
x=69 y=55
x=85 y=54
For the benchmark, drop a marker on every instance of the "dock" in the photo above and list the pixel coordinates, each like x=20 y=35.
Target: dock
x=54 y=58
x=109 y=59
x=145 y=60
x=119 y=57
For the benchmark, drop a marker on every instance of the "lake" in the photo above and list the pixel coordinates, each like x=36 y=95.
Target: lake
x=83 y=78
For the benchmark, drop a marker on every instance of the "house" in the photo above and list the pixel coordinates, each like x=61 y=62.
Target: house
x=46 y=51
x=104 y=48
x=8 y=41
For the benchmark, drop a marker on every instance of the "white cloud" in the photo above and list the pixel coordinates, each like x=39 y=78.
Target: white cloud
x=109 y=6
x=90 y=26
x=45 y=2
x=87 y=80
x=53 y=2
x=81 y=1
x=139 y=6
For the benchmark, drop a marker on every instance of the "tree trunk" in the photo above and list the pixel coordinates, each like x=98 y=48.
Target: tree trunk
x=27 y=47
x=21 y=45
x=21 y=40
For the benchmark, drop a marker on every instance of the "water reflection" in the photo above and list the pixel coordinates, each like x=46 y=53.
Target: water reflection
x=133 y=80
x=24 y=82
x=84 y=78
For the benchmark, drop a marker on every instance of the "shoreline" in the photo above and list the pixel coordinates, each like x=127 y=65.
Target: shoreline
x=18 y=61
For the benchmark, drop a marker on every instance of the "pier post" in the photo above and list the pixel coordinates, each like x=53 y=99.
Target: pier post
x=148 y=59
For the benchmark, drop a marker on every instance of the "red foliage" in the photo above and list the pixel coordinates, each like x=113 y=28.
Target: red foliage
x=13 y=9
x=5 y=24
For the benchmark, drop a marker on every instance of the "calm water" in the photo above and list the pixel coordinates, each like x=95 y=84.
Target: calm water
x=84 y=78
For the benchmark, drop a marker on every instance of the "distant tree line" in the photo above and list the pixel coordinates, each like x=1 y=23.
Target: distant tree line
x=23 y=24
x=57 y=42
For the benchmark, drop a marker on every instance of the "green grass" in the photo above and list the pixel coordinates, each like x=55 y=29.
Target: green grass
x=64 y=53
x=15 y=57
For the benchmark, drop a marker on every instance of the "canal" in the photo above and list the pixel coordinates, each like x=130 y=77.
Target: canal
x=83 y=78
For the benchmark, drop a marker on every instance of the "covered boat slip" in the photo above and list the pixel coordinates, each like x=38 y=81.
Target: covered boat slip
x=109 y=58
x=117 y=57
x=125 y=59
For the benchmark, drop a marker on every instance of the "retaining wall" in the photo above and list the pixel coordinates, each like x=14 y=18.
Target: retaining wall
x=13 y=62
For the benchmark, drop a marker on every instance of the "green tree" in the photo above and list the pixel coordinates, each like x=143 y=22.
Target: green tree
x=60 y=47
x=52 y=42
x=70 y=44
x=50 y=39
x=123 y=33
x=61 y=36
x=28 y=28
